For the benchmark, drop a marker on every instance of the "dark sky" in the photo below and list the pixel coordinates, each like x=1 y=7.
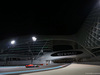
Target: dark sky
x=43 y=18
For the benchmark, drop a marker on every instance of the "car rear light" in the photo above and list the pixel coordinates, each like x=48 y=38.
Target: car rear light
x=41 y=64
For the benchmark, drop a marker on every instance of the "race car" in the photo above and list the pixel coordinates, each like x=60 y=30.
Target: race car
x=31 y=65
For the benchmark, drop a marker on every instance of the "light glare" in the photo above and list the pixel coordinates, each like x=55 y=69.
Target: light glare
x=13 y=42
x=34 y=38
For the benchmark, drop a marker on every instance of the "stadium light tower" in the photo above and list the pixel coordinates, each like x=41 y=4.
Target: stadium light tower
x=34 y=39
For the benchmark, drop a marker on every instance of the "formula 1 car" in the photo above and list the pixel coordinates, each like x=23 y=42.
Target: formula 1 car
x=31 y=66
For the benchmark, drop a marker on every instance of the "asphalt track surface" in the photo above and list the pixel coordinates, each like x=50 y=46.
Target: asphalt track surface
x=17 y=70
x=72 y=69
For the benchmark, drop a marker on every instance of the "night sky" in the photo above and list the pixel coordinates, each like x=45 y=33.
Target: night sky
x=43 y=18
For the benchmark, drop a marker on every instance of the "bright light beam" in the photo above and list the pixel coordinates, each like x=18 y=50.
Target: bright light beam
x=13 y=42
x=34 y=38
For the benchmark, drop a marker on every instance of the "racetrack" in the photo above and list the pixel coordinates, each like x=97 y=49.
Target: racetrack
x=22 y=69
x=73 y=69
